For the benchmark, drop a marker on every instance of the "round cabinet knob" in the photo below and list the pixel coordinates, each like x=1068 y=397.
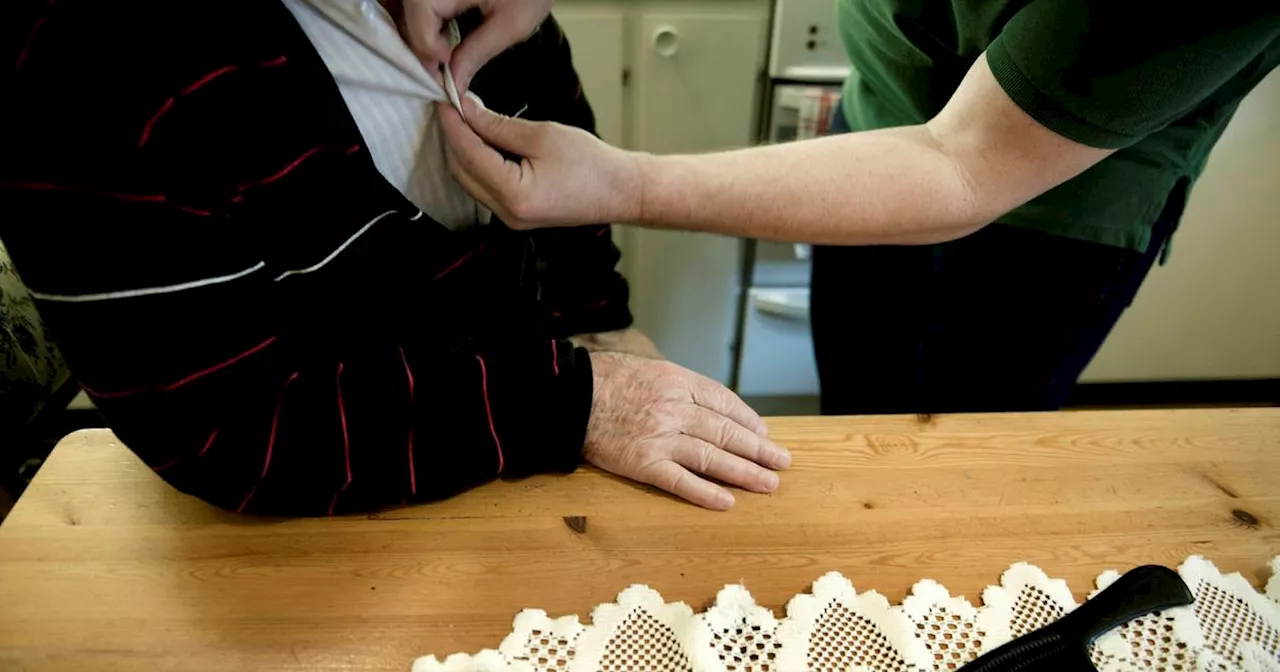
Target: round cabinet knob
x=666 y=41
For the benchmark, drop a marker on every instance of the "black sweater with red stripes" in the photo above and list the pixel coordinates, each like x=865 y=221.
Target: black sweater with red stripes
x=257 y=313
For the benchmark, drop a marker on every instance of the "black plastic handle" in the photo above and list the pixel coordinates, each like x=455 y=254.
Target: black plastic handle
x=1064 y=646
x=1137 y=593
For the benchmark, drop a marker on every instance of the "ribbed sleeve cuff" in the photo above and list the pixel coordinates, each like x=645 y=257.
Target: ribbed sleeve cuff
x=594 y=320
x=587 y=303
x=540 y=400
x=1044 y=109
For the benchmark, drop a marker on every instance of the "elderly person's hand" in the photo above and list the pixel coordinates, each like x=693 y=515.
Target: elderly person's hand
x=506 y=22
x=660 y=424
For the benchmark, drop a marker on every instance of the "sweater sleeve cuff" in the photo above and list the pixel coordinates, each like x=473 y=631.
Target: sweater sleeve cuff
x=611 y=314
x=540 y=400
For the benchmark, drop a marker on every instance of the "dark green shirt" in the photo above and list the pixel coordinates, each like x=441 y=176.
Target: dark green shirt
x=1158 y=82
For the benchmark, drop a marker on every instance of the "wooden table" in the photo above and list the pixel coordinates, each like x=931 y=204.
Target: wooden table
x=103 y=567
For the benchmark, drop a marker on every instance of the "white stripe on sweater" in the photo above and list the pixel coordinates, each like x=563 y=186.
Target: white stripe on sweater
x=338 y=251
x=147 y=291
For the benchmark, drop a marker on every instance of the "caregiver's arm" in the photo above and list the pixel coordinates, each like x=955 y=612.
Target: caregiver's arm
x=1065 y=83
x=980 y=157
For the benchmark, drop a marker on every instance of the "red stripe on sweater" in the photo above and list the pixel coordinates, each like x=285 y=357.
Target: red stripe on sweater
x=284 y=171
x=466 y=343
x=209 y=78
x=488 y=409
x=191 y=378
x=218 y=367
x=271 y=442
x=146 y=130
x=166 y=465
x=31 y=39
x=461 y=260
x=281 y=60
x=208 y=444
x=168 y=104
x=203 y=450
x=555 y=359
x=408 y=373
x=45 y=186
x=346 y=444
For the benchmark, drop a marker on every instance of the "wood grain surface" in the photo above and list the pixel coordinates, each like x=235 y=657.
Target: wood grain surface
x=104 y=567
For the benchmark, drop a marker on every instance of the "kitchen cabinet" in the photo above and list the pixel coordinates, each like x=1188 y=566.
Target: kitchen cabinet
x=670 y=76
x=684 y=77
x=596 y=34
x=698 y=75
x=697 y=87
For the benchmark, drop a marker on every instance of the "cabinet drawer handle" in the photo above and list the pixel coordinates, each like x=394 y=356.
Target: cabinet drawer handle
x=666 y=41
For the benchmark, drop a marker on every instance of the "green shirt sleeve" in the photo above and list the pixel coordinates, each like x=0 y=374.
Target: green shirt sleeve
x=1107 y=74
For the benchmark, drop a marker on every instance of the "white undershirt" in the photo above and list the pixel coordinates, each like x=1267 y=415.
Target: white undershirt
x=392 y=98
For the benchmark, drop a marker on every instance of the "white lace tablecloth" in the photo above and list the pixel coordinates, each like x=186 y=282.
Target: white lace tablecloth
x=1231 y=627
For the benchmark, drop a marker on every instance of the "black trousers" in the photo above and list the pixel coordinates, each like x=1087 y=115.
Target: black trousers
x=1005 y=319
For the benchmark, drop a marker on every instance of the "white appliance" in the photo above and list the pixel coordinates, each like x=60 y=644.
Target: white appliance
x=807 y=66
x=693 y=83
x=806 y=46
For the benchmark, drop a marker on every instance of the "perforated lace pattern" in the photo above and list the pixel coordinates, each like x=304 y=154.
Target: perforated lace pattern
x=844 y=638
x=1152 y=644
x=746 y=648
x=953 y=641
x=549 y=653
x=1229 y=622
x=1034 y=610
x=644 y=645
x=834 y=628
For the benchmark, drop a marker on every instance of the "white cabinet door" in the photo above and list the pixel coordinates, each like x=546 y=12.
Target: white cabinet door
x=596 y=35
x=697 y=88
x=698 y=77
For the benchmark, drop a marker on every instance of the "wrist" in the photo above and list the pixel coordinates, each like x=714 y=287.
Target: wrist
x=600 y=364
x=640 y=207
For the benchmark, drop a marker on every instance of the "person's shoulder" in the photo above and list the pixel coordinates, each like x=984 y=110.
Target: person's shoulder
x=144 y=42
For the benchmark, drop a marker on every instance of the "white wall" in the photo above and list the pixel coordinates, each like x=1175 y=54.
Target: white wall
x=1214 y=311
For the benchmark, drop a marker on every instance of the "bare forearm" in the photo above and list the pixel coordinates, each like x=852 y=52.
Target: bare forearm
x=895 y=186
x=978 y=158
